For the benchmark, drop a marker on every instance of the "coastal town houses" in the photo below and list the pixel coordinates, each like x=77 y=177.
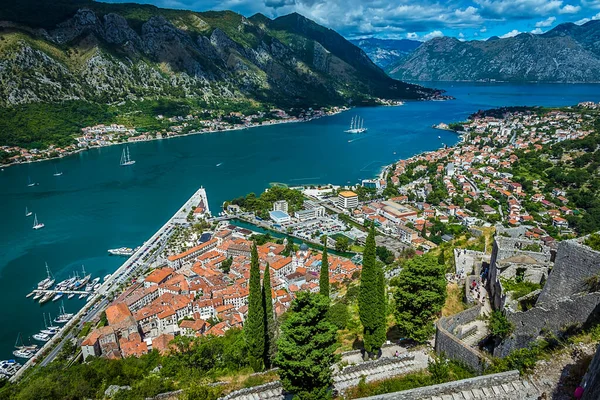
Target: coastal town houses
x=197 y=298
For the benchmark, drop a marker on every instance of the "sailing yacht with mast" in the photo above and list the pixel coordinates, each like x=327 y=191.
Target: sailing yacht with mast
x=36 y=224
x=48 y=282
x=28 y=213
x=125 y=158
x=30 y=183
x=356 y=125
x=57 y=172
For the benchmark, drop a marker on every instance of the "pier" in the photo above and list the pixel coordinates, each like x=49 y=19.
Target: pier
x=55 y=291
x=133 y=267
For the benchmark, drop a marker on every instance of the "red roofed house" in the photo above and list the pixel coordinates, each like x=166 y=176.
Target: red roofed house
x=158 y=276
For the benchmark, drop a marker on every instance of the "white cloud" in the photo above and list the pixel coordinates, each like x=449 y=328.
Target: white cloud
x=520 y=9
x=584 y=20
x=545 y=23
x=483 y=30
x=510 y=34
x=569 y=9
x=412 y=35
x=537 y=31
x=433 y=34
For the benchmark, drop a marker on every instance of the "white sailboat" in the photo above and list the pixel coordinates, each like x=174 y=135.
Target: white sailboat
x=48 y=282
x=30 y=183
x=36 y=224
x=27 y=212
x=57 y=172
x=125 y=158
x=356 y=125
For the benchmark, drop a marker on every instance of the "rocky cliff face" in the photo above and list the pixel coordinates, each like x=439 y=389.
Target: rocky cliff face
x=385 y=52
x=568 y=53
x=111 y=53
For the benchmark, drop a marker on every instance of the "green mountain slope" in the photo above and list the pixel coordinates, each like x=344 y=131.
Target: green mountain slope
x=111 y=53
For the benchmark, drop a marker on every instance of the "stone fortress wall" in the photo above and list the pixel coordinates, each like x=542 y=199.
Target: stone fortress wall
x=564 y=302
x=503 y=386
x=448 y=335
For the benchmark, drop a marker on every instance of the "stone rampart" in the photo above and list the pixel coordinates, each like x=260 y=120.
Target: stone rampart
x=574 y=264
x=506 y=384
x=447 y=343
x=555 y=318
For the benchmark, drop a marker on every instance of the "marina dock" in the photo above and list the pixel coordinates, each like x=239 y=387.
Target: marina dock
x=131 y=268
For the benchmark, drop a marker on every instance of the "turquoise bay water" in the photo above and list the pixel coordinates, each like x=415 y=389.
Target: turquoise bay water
x=96 y=204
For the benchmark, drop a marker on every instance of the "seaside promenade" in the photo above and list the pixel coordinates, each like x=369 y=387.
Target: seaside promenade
x=133 y=267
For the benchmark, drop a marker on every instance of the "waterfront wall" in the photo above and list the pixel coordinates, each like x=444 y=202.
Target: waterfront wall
x=447 y=340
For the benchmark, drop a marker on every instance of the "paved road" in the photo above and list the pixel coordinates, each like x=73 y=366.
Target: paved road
x=86 y=318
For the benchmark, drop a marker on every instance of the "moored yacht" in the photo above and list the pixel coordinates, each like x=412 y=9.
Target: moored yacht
x=64 y=316
x=48 y=282
x=36 y=224
x=23 y=353
x=47 y=296
x=42 y=337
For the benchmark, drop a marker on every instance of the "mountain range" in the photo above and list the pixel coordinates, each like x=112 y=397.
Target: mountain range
x=106 y=53
x=567 y=53
x=384 y=52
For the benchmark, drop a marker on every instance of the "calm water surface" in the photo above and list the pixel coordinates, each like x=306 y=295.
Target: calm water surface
x=97 y=205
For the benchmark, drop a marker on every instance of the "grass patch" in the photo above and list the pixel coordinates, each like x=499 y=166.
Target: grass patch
x=454 y=301
x=519 y=289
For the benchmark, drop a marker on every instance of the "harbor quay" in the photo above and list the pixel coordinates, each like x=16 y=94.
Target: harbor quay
x=135 y=265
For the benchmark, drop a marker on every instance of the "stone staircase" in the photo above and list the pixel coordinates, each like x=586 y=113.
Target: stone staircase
x=504 y=386
x=515 y=390
x=268 y=391
x=374 y=371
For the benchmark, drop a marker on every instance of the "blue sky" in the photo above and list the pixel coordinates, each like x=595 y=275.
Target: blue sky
x=421 y=20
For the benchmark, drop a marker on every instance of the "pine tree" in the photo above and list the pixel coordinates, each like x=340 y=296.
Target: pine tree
x=254 y=327
x=371 y=297
x=306 y=349
x=267 y=301
x=324 y=278
x=424 y=231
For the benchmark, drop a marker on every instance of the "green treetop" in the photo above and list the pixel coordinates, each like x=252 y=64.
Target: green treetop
x=324 y=278
x=371 y=298
x=267 y=301
x=254 y=328
x=305 y=351
x=289 y=247
x=420 y=296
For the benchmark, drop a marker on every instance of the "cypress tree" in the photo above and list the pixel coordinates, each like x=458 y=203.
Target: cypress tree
x=324 y=278
x=267 y=301
x=371 y=297
x=254 y=327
